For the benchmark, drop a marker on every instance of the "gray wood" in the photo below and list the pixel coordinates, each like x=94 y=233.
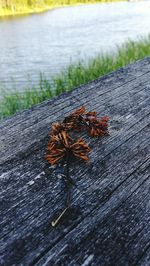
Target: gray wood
x=109 y=220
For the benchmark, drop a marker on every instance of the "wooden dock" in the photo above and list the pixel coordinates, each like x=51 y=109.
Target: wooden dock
x=109 y=220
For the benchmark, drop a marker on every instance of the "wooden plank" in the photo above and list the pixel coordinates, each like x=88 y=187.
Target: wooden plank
x=7 y=185
x=41 y=119
x=118 y=172
x=113 y=236
x=93 y=194
x=145 y=257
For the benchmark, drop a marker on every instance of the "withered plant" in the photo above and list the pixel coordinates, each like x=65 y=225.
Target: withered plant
x=62 y=148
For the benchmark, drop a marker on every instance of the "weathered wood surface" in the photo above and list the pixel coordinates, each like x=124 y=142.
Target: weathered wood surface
x=109 y=223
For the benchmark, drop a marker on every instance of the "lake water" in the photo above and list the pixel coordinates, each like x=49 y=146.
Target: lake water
x=49 y=41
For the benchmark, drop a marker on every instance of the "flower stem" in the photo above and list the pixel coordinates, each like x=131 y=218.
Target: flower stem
x=55 y=222
x=69 y=183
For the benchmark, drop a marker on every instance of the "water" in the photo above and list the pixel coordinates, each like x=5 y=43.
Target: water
x=48 y=42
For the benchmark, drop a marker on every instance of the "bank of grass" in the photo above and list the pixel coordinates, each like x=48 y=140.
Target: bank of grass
x=23 y=7
x=73 y=76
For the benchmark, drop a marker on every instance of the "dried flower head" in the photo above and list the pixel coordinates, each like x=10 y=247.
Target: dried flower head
x=62 y=147
x=56 y=128
x=97 y=127
x=80 y=119
x=75 y=119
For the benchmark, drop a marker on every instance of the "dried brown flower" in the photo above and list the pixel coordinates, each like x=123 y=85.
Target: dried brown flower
x=97 y=127
x=56 y=128
x=80 y=149
x=74 y=120
x=61 y=147
x=80 y=119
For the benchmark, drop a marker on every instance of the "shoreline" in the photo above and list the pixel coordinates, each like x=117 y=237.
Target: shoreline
x=7 y=13
x=74 y=76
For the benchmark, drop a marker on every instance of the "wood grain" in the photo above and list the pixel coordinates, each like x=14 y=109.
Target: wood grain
x=108 y=223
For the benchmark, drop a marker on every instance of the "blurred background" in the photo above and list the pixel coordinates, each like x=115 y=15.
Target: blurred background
x=68 y=44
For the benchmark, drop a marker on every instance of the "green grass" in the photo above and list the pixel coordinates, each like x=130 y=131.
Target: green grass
x=75 y=75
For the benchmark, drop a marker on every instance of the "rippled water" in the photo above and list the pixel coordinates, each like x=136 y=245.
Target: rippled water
x=48 y=42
